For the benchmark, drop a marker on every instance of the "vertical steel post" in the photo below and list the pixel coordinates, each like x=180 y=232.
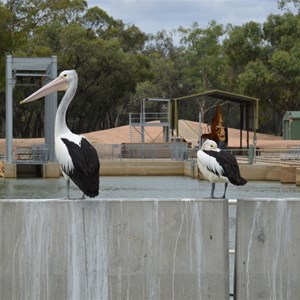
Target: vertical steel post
x=50 y=112
x=241 y=124
x=200 y=131
x=169 y=121
x=9 y=110
x=176 y=118
x=143 y=120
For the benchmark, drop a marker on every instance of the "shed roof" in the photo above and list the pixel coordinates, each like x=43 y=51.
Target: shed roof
x=223 y=95
x=291 y=115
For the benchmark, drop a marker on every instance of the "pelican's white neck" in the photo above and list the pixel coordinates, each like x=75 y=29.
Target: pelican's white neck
x=60 y=119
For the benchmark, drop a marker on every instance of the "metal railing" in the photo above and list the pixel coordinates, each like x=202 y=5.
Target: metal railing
x=36 y=153
x=139 y=118
x=176 y=150
x=181 y=151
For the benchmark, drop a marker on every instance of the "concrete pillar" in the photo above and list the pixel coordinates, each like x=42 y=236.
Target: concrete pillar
x=287 y=174
x=114 y=249
x=10 y=170
x=297 y=176
x=267 y=249
x=190 y=168
x=51 y=170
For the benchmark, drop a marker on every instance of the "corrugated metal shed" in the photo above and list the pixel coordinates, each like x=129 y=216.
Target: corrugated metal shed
x=248 y=109
x=291 y=125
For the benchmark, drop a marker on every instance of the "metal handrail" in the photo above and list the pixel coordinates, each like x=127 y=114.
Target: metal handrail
x=139 y=118
x=178 y=150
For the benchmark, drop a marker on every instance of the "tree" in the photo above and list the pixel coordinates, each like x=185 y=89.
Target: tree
x=204 y=56
x=205 y=64
x=289 y=5
x=274 y=76
x=281 y=32
x=118 y=63
x=242 y=45
x=105 y=52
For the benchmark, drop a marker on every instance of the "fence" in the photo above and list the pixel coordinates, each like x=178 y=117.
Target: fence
x=181 y=151
x=174 y=150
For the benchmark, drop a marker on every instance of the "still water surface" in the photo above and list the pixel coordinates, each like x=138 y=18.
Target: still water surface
x=145 y=187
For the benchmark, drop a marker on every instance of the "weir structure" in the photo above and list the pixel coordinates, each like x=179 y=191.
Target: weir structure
x=19 y=69
x=148 y=249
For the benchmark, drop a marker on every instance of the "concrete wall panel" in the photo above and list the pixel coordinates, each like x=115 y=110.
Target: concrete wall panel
x=267 y=253
x=113 y=249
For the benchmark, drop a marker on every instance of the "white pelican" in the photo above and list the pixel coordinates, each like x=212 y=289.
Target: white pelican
x=78 y=159
x=218 y=166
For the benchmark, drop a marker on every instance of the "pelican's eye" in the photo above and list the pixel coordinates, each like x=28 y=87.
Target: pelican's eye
x=65 y=75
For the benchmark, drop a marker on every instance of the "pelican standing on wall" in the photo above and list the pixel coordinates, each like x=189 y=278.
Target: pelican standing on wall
x=218 y=166
x=78 y=159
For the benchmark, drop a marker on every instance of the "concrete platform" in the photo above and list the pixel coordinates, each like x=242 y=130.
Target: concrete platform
x=114 y=249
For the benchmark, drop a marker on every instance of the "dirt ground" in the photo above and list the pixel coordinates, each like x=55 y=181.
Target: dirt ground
x=122 y=135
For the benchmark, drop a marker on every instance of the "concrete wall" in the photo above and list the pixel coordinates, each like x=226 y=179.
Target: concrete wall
x=113 y=249
x=126 y=167
x=49 y=170
x=283 y=173
x=141 y=167
x=261 y=172
x=267 y=253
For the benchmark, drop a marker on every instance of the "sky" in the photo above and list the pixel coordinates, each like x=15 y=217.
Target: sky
x=152 y=16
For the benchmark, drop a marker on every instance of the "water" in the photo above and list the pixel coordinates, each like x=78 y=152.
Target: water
x=144 y=187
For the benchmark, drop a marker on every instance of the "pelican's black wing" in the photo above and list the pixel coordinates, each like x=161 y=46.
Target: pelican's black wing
x=229 y=165
x=86 y=166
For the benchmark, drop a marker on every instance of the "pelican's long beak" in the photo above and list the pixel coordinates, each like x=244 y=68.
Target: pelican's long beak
x=58 y=84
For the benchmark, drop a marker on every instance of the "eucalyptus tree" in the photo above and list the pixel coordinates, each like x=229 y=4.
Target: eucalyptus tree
x=284 y=62
x=164 y=79
x=107 y=75
x=274 y=75
x=243 y=44
x=289 y=5
x=203 y=51
x=23 y=21
x=205 y=64
x=105 y=52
